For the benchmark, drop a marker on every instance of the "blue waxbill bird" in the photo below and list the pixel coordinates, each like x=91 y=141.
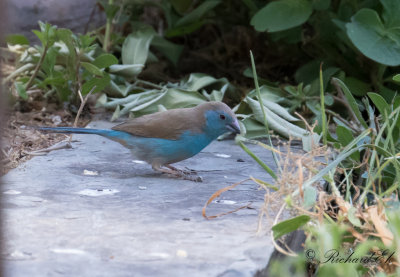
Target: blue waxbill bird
x=170 y=136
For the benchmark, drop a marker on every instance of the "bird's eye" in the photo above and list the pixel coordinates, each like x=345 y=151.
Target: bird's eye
x=222 y=116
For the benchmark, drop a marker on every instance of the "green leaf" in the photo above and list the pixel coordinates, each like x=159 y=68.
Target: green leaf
x=352 y=217
x=321 y=5
x=197 y=13
x=135 y=48
x=380 y=103
x=390 y=13
x=344 y=135
x=86 y=40
x=181 y=5
x=126 y=70
x=357 y=87
x=329 y=100
x=282 y=15
x=170 y=50
x=396 y=78
x=20 y=87
x=275 y=122
x=100 y=84
x=351 y=101
x=376 y=41
x=310 y=196
x=92 y=69
x=183 y=30
x=290 y=225
x=17 y=39
x=105 y=60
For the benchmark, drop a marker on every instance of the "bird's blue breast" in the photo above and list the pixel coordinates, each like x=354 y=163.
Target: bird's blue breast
x=160 y=150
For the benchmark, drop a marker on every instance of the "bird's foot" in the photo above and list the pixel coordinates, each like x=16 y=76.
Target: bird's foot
x=188 y=171
x=170 y=170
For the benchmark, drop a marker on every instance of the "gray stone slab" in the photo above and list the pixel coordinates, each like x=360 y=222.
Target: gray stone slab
x=129 y=220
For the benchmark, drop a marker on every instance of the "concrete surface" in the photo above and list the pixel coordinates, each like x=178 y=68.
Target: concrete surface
x=94 y=211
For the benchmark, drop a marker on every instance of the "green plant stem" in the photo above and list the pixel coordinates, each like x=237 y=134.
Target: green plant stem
x=260 y=162
x=323 y=115
x=138 y=81
x=262 y=109
x=39 y=64
x=108 y=31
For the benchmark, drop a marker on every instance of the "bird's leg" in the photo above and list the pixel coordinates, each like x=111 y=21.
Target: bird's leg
x=176 y=173
x=172 y=171
x=186 y=172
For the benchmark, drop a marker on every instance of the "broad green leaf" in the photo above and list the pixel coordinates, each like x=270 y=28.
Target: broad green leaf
x=376 y=41
x=173 y=98
x=92 y=69
x=268 y=94
x=282 y=15
x=17 y=39
x=396 y=78
x=275 y=122
x=126 y=70
x=199 y=81
x=357 y=87
x=170 y=50
x=253 y=128
x=135 y=48
x=197 y=13
x=290 y=225
x=105 y=60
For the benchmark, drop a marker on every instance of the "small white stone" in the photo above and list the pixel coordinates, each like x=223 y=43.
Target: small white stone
x=142 y=187
x=222 y=155
x=97 y=192
x=12 y=192
x=139 y=162
x=90 y=173
x=225 y=202
x=68 y=251
x=160 y=255
x=181 y=253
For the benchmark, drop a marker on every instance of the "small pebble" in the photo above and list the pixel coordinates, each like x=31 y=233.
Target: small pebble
x=226 y=202
x=222 y=155
x=12 y=192
x=181 y=253
x=142 y=187
x=90 y=173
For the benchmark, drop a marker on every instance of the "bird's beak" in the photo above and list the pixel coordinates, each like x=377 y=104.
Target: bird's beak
x=234 y=127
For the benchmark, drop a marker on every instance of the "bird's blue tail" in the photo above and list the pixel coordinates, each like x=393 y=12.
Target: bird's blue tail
x=124 y=138
x=71 y=130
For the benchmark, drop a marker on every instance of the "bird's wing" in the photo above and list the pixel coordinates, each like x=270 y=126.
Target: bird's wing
x=167 y=125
